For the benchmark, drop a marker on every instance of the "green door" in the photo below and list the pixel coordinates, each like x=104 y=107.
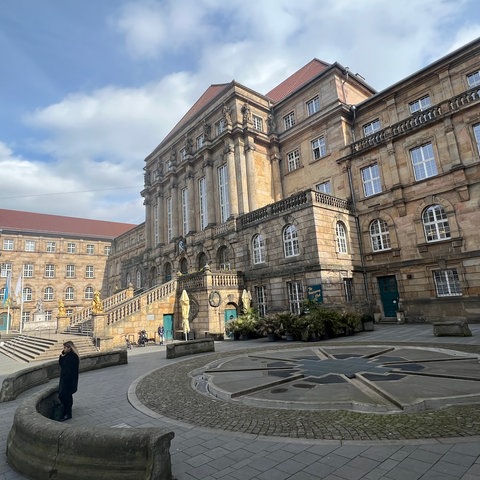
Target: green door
x=168 y=326
x=3 y=322
x=388 y=294
x=230 y=314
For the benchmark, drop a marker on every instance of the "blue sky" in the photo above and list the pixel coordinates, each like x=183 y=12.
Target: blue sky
x=89 y=88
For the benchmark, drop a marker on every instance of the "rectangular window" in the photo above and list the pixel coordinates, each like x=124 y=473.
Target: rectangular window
x=185 y=210
x=371 y=128
x=202 y=200
x=476 y=132
x=293 y=160
x=183 y=154
x=107 y=250
x=258 y=123
x=49 y=270
x=473 y=79
x=25 y=316
x=295 y=297
x=447 y=283
x=220 y=126
x=348 y=289
x=28 y=270
x=325 y=187
x=5 y=269
x=71 y=247
x=423 y=162
x=261 y=298
x=313 y=105
x=156 y=226
x=90 y=249
x=169 y=219
x=48 y=315
x=51 y=247
x=70 y=271
x=200 y=141
x=289 y=120
x=29 y=246
x=8 y=244
x=371 y=180
x=89 y=271
x=223 y=194
x=319 y=148
x=420 y=104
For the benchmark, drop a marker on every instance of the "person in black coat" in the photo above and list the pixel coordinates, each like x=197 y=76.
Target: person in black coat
x=69 y=362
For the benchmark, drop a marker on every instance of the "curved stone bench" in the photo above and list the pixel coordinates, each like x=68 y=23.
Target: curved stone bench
x=43 y=449
x=18 y=382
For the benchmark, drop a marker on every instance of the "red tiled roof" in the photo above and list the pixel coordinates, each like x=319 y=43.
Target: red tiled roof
x=55 y=224
x=298 y=79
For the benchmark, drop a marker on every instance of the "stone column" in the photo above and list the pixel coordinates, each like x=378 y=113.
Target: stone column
x=212 y=218
x=232 y=180
x=176 y=208
x=192 y=210
x=250 y=169
x=63 y=322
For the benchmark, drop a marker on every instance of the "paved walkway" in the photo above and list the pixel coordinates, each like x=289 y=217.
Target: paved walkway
x=205 y=454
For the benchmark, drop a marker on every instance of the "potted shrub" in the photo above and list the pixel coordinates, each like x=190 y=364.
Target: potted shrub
x=244 y=326
x=367 y=320
x=268 y=327
x=351 y=322
x=286 y=324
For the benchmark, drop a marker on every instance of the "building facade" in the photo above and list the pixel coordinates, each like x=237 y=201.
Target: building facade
x=51 y=259
x=325 y=189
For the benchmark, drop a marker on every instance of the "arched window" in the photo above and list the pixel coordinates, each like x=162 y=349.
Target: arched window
x=290 y=241
x=27 y=294
x=129 y=279
x=167 y=272
x=69 y=293
x=258 y=248
x=223 y=258
x=379 y=235
x=89 y=293
x=48 y=294
x=202 y=260
x=435 y=223
x=183 y=266
x=139 y=279
x=341 y=237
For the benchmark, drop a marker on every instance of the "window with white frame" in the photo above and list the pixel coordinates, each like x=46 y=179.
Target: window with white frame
x=2 y=293
x=184 y=197
x=379 y=235
x=25 y=317
x=183 y=154
x=107 y=249
x=258 y=248
x=48 y=294
x=371 y=180
x=473 y=79
x=169 y=219
x=200 y=141
x=28 y=270
x=29 y=245
x=295 y=297
x=223 y=258
x=341 y=237
x=324 y=187
x=202 y=200
x=156 y=237
x=5 y=270
x=90 y=249
x=88 y=295
x=49 y=270
x=371 y=127
x=8 y=244
x=423 y=161
x=289 y=120
x=319 y=148
x=447 y=283
x=420 y=104
x=48 y=315
x=435 y=223
x=220 y=126
x=69 y=293
x=51 y=247
x=68 y=312
x=223 y=194
x=258 y=123
x=70 y=271
x=89 y=271
x=291 y=246
x=313 y=105
x=348 y=289
x=476 y=132
x=139 y=279
x=293 y=160
x=260 y=292
x=27 y=294
x=71 y=247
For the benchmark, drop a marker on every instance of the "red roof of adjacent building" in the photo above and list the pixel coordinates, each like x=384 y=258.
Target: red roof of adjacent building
x=59 y=225
x=297 y=80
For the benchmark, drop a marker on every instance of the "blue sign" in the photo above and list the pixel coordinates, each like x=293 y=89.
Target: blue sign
x=315 y=293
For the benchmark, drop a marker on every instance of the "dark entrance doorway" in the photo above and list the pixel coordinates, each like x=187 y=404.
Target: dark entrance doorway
x=388 y=294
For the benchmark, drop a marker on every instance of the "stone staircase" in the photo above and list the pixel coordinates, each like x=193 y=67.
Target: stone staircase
x=28 y=349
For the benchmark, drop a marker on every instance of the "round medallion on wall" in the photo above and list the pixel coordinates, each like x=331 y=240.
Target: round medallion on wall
x=214 y=299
